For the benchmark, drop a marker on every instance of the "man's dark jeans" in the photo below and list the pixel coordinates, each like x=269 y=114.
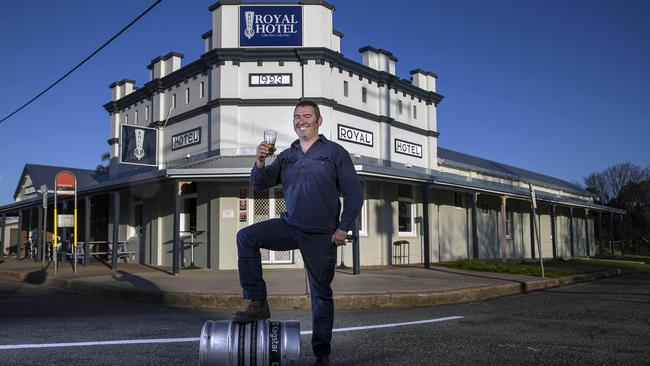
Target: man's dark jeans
x=318 y=253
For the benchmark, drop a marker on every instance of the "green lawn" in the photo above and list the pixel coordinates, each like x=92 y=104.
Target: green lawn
x=629 y=257
x=552 y=268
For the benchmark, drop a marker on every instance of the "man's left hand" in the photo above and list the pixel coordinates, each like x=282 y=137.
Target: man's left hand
x=338 y=238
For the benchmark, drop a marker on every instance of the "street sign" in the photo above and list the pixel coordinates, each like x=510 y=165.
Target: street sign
x=44 y=194
x=65 y=183
x=533 y=212
x=65 y=220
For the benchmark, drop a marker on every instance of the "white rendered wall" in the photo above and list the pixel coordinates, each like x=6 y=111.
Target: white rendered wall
x=225 y=27
x=317 y=26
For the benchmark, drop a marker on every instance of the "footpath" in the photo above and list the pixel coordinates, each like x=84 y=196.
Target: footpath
x=375 y=287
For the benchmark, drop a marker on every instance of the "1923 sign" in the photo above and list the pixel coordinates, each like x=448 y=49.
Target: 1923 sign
x=270 y=79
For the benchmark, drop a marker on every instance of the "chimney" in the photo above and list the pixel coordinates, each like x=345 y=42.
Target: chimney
x=162 y=66
x=336 y=40
x=207 y=41
x=424 y=79
x=122 y=88
x=378 y=59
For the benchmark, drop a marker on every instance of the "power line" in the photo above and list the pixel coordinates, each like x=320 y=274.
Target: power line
x=83 y=62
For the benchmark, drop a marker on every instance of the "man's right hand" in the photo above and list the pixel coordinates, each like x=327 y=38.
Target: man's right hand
x=262 y=153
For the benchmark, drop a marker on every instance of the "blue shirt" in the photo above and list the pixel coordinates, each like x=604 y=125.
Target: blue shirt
x=312 y=183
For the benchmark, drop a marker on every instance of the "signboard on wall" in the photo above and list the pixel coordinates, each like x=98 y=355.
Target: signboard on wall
x=138 y=145
x=187 y=138
x=270 y=79
x=362 y=137
x=279 y=26
x=408 y=148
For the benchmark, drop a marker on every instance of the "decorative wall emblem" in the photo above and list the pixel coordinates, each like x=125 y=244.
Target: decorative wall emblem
x=139 y=142
x=249 y=32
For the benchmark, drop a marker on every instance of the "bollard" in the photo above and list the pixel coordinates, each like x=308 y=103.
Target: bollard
x=262 y=342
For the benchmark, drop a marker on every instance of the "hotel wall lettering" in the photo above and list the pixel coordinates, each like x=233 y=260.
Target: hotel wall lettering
x=408 y=148
x=187 y=138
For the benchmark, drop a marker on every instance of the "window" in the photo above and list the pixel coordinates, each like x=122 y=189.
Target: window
x=508 y=224
x=135 y=117
x=405 y=210
x=266 y=205
x=458 y=199
x=399 y=106
x=201 y=89
x=126 y=119
x=363 y=95
x=187 y=95
x=415 y=112
x=345 y=88
x=485 y=208
x=146 y=113
x=173 y=100
x=188 y=209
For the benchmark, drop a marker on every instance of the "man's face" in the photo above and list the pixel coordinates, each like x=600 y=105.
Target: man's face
x=305 y=122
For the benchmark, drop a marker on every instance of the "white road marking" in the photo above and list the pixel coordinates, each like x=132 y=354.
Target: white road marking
x=100 y=343
x=196 y=339
x=391 y=325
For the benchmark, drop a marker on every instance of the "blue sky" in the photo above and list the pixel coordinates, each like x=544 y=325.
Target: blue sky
x=557 y=87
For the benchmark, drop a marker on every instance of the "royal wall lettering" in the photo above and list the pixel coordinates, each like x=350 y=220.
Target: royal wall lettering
x=346 y=133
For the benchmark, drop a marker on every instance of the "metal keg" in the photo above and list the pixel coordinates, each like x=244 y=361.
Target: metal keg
x=262 y=342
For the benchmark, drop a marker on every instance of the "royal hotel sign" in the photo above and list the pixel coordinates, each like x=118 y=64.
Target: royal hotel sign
x=279 y=26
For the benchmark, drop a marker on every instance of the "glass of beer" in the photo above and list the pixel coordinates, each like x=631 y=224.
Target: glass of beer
x=269 y=140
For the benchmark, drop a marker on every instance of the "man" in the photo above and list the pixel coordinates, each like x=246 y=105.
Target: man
x=313 y=172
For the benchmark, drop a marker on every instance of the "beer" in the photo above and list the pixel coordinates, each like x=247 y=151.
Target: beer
x=269 y=140
x=271 y=148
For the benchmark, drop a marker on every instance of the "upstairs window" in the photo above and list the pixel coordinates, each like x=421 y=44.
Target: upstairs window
x=173 y=100
x=146 y=113
x=345 y=88
x=187 y=95
x=201 y=89
x=363 y=95
x=399 y=107
x=135 y=117
x=415 y=112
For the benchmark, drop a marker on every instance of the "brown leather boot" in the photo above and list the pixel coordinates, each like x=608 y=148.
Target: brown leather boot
x=256 y=310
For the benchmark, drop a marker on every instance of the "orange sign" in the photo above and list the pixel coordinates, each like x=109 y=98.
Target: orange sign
x=65 y=182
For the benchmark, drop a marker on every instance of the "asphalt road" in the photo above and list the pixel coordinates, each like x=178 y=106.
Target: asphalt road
x=606 y=322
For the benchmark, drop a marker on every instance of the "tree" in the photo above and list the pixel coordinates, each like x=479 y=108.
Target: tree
x=635 y=199
x=105 y=159
x=607 y=185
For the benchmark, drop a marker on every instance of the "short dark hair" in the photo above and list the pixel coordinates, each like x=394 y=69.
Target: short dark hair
x=309 y=103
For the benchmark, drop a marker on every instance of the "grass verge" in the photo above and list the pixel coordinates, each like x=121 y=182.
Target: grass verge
x=628 y=257
x=552 y=268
